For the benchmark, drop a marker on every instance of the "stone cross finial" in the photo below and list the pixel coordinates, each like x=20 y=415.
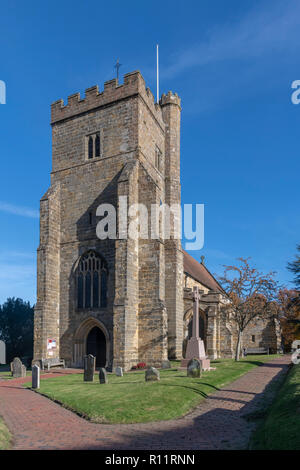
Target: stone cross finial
x=117 y=67
x=202 y=259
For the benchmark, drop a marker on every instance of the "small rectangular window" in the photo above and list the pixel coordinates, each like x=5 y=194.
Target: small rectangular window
x=253 y=338
x=158 y=159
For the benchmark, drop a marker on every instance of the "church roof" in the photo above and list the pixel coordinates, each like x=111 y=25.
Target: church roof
x=200 y=273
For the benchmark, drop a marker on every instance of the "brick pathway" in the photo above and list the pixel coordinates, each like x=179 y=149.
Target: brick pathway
x=217 y=423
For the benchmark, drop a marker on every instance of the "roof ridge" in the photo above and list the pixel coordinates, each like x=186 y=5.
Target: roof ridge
x=193 y=268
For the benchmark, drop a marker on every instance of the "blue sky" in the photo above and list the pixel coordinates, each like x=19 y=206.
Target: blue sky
x=231 y=62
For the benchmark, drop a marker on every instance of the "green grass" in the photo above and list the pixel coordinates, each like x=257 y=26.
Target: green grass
x=7 y=375
x=5 y=372
x=280 y=430
x=5 y=437
x=129 y=399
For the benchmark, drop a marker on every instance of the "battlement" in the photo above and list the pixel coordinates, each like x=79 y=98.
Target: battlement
x=170 y=98
x=134 y=84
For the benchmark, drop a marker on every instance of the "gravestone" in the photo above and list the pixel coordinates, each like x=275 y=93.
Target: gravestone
x=89 y=368
x=152 y=375
x=194 y=368
x=166 y=365
x=35 y=377
x=103 y=376
x=2 y=352
x=119 y=371
x=18 y=369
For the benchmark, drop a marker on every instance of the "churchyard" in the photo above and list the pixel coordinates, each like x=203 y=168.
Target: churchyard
x=130 y=399
x=5 y=372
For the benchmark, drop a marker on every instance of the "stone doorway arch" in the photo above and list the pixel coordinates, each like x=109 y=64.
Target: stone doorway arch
x=87 y=338
x=96 y=345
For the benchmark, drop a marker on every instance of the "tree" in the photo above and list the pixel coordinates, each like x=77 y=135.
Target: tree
x=16 y=328
x=289 y=316
x=252 y=294
x=294 y=267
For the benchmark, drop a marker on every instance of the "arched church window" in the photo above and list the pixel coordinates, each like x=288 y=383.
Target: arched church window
x=103 y=289
x=90 y=147
x=97 y=146
x=91 y=281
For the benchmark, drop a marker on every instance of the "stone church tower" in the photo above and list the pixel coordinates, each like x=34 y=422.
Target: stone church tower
x=120 y=299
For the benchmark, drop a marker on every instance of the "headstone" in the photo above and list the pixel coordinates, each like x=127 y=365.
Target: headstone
x=18 y=369
x=2 y=352
x=194 y=368
x=89 y=368
x=119 y=371
x=35 y=377
x=166 y=365
x=152 y=375
x=103 y=376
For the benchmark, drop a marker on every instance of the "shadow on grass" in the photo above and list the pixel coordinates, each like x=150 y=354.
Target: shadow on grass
x=256 y=363
x=190 y=387
x=199 y=392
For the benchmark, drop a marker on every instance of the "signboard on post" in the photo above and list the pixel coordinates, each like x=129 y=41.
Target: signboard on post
x=51 y=346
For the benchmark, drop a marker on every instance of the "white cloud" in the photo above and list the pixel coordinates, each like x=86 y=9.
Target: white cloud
x=219 y=254
x=8 y=255
x=18 y=210
x=16 y=272
x=270 y=31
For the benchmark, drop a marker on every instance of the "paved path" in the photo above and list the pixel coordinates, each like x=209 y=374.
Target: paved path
x=217 y=423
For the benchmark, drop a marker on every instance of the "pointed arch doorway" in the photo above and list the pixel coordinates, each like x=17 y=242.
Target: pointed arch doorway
x=96 y=345
x=88 y=340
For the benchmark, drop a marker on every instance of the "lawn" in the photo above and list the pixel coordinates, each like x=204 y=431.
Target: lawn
x=5 y=437
x=280 y=429
x=7 y=374
x=129 y=399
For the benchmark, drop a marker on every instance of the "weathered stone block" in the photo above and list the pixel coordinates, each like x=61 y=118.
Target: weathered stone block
x=194 y=368
x=103 y=376
x=152 y=375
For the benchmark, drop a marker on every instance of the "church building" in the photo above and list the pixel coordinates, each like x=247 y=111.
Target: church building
x=124 y=300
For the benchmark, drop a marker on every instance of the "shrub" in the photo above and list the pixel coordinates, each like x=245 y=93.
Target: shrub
x=141 y=365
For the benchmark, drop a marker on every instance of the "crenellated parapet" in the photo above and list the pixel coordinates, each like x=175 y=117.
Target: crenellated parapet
x=170 y=98
x=134 y=85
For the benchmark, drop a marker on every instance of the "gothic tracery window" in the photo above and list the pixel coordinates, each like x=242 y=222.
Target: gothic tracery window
x=91 y=279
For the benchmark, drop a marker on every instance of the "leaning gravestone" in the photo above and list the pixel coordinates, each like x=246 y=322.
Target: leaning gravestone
x=2 y=352
x=35 y=377
x=89 y=368
x=166 y=365
x=103 y=376
x=194 y=368
x=152 y=375
x=119 y=371
x=18 y=369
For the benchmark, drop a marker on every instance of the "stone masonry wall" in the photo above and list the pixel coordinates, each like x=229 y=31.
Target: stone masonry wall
x=137 y=318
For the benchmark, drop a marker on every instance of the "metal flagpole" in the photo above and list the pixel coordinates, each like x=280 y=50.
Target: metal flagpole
x=157 y=75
